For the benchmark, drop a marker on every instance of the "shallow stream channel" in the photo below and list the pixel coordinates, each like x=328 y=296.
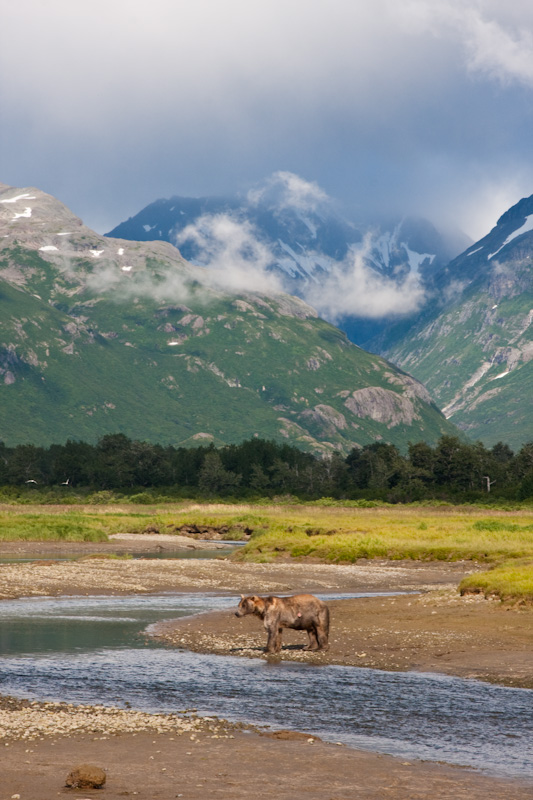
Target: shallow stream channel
x=93 y=650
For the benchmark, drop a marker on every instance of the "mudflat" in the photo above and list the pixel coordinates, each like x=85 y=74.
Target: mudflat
x=91 y=572
x=235 y=764
x=430 y=629
x=433 y=632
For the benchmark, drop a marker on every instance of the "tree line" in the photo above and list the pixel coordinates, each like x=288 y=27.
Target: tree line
x=453 y=469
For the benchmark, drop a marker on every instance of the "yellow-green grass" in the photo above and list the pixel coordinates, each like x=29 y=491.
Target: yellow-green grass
x=511 y=580
x=431 y=543
x=67 y=527
x=421 y=534
x=328 y=533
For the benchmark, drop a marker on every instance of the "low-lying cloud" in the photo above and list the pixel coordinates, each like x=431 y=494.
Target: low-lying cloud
x=169 y=286
x=286 y=190
x=355 y=289
x=237 y=259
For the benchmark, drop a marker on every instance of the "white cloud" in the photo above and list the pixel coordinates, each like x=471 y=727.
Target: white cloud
x=497 y=42
x=237 y=260
x=287 y=190
x=356 y=289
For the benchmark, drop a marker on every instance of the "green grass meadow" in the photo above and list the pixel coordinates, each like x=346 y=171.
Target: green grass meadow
x=502 y=540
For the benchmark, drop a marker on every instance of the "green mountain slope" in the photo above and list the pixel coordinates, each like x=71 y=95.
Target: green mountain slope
x=474 y=352
x=101 y=335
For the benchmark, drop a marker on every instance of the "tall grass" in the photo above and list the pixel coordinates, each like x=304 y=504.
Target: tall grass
x=420 y=535
x=509 y=581
x=67 y=527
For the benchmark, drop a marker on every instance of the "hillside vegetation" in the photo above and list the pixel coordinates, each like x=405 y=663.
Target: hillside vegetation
x=105 y=336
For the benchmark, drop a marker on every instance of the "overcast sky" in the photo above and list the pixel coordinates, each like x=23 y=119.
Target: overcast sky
x=419 y=106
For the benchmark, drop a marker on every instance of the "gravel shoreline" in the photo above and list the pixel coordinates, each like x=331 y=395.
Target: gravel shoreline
x=159 y=757
x=31 y=719
x=93 y=575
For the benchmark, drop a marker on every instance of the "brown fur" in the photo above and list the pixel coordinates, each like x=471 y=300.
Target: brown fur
x=303 y=612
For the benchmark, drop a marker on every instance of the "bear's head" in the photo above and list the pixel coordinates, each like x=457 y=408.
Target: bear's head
x=249 y=605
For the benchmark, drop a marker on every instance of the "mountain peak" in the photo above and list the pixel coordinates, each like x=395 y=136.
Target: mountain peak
x=518 y=212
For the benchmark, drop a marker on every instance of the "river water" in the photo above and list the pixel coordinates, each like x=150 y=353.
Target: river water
x=92 y=650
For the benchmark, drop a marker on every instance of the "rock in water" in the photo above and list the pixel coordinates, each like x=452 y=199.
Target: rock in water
x=86 y=776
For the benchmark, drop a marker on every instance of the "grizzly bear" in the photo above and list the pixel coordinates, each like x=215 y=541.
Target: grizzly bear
x=303 y=612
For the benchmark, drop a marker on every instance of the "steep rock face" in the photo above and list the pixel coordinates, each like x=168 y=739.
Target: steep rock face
x=100 y=335
x=474 y=351
x=382 y=405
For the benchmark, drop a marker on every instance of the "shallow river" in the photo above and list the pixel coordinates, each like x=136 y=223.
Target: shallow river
x=91 y=650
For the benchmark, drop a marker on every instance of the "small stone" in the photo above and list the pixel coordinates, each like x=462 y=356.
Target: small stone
x=86 y=776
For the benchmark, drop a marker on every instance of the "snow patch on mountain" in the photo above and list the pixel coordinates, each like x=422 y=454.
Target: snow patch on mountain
x=309 y=224
x=525 y=228
x=25 y=196
x=303 y=264
x=25 y=213
x=417 y=259
x=387 y=251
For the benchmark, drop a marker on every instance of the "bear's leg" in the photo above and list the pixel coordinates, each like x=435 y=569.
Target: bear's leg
x=274 y=636
x=271 y=641
x=322 y=637
x=313 y=641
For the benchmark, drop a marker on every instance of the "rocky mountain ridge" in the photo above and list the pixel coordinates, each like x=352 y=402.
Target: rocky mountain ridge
x=102 y=335
x=474 y=348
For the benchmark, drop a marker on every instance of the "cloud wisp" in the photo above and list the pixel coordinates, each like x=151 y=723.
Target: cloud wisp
x=499 y=49
x=167 y=286
x=237 y=259
x=355 y=289
x=285 y=190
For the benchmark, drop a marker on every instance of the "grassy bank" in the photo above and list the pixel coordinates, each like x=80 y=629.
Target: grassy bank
x=63 y=527
x=336 y=534
x=419 y=534
x=509 y=581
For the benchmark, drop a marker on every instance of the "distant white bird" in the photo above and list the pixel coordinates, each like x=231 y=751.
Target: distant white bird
x=31 y=481
x=65 y=483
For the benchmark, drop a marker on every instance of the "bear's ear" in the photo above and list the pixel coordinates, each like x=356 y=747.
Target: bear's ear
x=242 y=597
